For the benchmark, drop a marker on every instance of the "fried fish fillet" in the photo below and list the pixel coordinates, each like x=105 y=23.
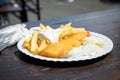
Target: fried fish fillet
x=61 y=49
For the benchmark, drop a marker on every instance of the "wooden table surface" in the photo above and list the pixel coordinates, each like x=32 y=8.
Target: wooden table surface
x=14 y=65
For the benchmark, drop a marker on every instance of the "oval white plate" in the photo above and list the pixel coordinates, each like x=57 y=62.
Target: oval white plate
x=107 y=49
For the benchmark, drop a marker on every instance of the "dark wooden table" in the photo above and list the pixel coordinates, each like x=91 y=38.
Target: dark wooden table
x=14 y=65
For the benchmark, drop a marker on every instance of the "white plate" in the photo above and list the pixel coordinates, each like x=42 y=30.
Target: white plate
x=107 y=49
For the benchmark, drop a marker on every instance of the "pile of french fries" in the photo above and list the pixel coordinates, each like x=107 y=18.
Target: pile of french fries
x=68 y=31
x=36 y=42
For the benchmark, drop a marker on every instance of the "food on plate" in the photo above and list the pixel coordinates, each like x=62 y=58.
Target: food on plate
x=65 y=43
x=35 y=43
x=42 y=26
x=44 y=42
x=62 y=48
x=68 y=31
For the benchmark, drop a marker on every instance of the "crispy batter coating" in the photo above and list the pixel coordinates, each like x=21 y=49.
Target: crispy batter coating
x=62 y=48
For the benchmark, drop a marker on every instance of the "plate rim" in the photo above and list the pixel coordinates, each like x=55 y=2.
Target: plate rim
x=26 y=52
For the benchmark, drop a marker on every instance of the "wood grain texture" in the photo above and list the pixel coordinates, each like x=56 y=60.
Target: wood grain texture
x=14 y=65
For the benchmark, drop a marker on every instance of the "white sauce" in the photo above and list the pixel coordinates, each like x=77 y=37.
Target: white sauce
x=51 y=34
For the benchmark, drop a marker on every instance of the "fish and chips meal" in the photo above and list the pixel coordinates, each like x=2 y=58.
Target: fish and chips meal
x=58 y=43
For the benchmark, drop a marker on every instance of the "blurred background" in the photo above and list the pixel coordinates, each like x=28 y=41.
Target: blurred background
x=18 y=11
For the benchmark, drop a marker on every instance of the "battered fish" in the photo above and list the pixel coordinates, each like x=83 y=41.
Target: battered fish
x=61 y=49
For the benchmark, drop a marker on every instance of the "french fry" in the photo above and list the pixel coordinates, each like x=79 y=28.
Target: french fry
x=42 y=46
x=68 y=24
x=42 y=26
x=34 y=44
x=26 y=43
x=47 y=41
x=28 y=40
x=38 y=41
x=76 y=30
x=62 y=26
x=66 y=32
